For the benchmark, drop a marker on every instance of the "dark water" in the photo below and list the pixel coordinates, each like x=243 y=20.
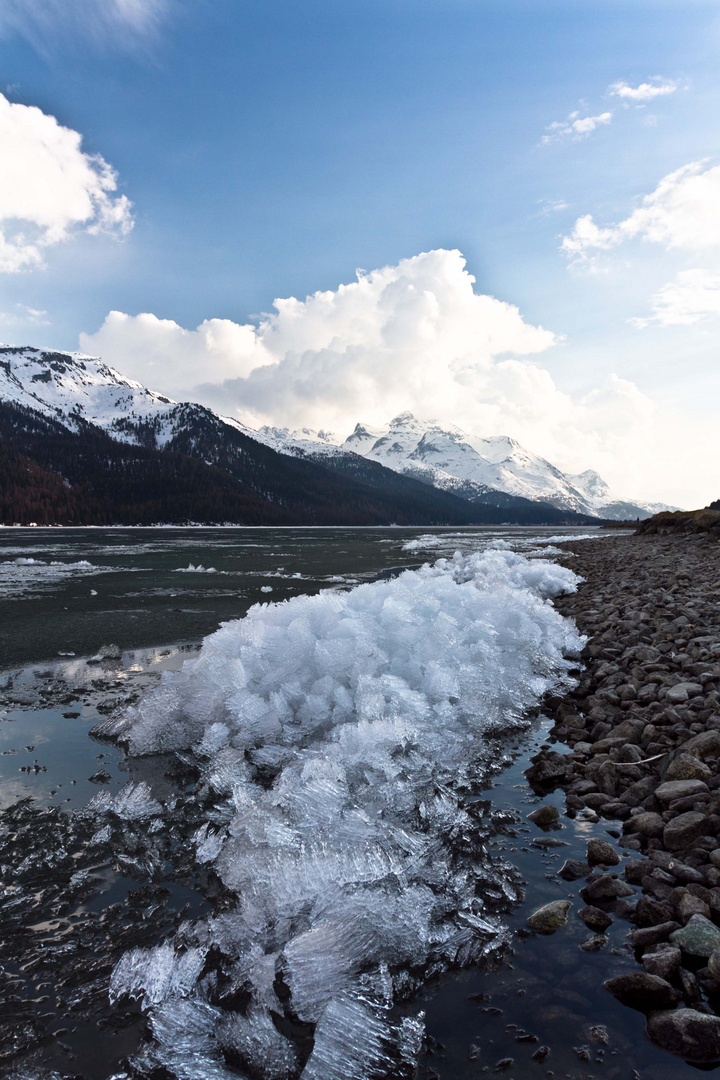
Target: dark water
x=152 y=594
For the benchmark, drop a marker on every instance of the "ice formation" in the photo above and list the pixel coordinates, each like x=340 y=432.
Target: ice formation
x=336 y=735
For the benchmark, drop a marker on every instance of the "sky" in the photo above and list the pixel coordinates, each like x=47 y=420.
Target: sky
x=503 y=214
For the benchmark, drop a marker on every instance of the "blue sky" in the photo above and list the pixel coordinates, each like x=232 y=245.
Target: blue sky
x=270 y=149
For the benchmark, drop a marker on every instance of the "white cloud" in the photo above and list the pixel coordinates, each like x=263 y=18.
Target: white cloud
x=693 y=296
x=657 y=87
x=416 y=336
x=121 y=23
x=575 y=127
x=682 y=212
x=49 y=187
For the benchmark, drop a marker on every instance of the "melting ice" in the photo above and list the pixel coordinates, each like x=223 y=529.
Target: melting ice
x=335 y=735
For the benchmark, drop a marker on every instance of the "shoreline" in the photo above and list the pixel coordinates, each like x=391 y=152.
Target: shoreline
x=643 y=730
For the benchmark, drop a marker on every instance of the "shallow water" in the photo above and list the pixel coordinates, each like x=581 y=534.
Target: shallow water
x=141 y=568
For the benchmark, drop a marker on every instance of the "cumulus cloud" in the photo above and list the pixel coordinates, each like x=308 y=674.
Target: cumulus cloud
x=575 y=127
x=657 y=87
x=50 y=188
x=682 y=212
x=692 y=297
x=414 y=336
x=122 y=23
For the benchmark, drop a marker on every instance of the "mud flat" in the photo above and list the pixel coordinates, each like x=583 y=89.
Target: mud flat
x=643 y=728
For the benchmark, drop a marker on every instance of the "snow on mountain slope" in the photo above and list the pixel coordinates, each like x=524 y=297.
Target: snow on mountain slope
x=72 y=388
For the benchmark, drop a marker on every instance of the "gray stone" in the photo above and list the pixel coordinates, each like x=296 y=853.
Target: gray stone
x=691 y=905
x=687 y=767
x=692 y=1035
x=545 y=815
x=684 y=829
x=605 y=888
x=641 y=991
x=682 y=692
x=595 y=943
x=706 y=744
x=679 y=789
x=664 y=962
x=645 y=824
x=601 y=851
x=714 y=964
x=651 y=935
x=594 y=918
x=550 y=917
x=699 y=937
x=573 y=869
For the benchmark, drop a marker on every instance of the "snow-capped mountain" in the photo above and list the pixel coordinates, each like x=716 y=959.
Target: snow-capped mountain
x=467 y=465
x=75 y=390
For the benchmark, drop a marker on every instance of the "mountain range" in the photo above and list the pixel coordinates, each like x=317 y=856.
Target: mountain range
x=82 y=444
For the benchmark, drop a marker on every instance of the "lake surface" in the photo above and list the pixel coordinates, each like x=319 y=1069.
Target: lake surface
x=89 y=620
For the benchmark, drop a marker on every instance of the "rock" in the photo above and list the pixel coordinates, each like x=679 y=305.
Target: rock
x=691 y=905
x=540 y=1054
x=664 y=962
x=679 y=789
x=595 y=943
x=641 y=991
x=706 y=744
x=651 y=935
x=102 y=776
x=550 y=917
x=635 y=870
x=699 y=937
x=682 y=692
x=600 y=851
x=683 y=830
x=714 y=964
x=545 y=815
x=686 y=767
x=573 y=869
x=549 y=772
x=605 y=887
x=594 y=918
x=645 y=824
x=689 y=1034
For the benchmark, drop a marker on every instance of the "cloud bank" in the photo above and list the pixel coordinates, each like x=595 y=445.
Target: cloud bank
x=49 y=188
x=416 y=336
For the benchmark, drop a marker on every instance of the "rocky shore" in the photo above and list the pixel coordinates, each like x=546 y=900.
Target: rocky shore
x=643 y=728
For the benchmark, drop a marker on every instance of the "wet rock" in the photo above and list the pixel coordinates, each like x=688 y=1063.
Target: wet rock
x=600 y=851
x=548 y=772
x=683 y=830
x=687 y=1033
x=605 y=887
x=540 y=1054
x=651 y=935
x=635 y=870
x=544 y=816
x=595 y=943
x=594 y=918
x=645 y=824
x=690 y=986
x=706 y=744
x=550 y=917
x=699 y=937
x=679 y=789
x=664 y=962
x=573 y=870
x=641 y=991
x=686 y=767
x=102 y=776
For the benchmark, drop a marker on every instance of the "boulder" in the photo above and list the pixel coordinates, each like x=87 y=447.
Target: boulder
x=682 y=692
x=550 y=917
x=545 y=815
x=699 y=936
x=706 y=744
x=573 y=869
x=714 y=964
x=641 y=991
x=601 y=851
x=595 y=919
x=645 y=824
x=692 y=1035
x=664 y=962
x=679 y=789
x=684 y=830
x=605 y=887
x=687 y=767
